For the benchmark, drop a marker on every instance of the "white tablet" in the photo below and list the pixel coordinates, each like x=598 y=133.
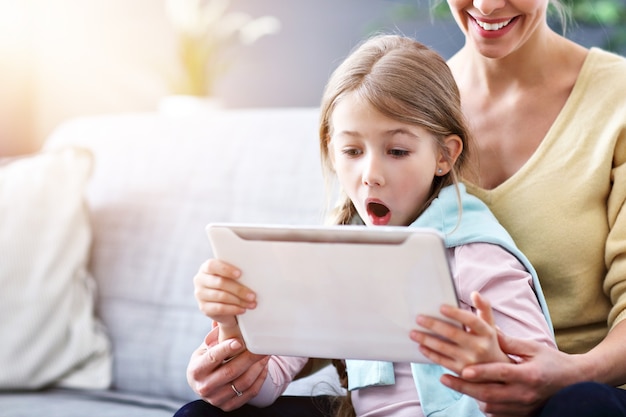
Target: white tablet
x=349 y=292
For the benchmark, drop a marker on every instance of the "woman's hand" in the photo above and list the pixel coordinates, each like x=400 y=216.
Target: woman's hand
x=517 y=389
x=540 y=371
x=219 y=295
x=454 y=347
x=212 y=375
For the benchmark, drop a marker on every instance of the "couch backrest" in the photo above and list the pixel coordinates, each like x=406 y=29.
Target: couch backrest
x=157 y=182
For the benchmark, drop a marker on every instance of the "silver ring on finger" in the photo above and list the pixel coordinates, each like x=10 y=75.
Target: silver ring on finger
x=239 y=393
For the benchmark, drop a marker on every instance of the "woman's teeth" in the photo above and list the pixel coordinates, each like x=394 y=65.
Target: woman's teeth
x=493 y=26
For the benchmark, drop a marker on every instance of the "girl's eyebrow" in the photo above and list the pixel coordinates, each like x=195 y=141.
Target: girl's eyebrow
x=387 y=133
x=401 y=131
x=351 y=133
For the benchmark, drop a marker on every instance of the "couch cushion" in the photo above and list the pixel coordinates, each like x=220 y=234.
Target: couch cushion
x=48 y=330
x=83 y=403
x=157 y=182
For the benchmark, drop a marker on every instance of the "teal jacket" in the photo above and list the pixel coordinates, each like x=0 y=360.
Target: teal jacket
x=477 y=225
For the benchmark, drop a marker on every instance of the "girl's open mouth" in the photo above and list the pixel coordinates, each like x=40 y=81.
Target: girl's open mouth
x=378 y=213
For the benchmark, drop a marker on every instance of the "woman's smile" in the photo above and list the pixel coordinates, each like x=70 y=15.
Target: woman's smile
x=492 y=28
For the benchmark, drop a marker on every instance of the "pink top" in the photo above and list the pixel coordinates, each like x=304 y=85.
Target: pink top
x=488 y=269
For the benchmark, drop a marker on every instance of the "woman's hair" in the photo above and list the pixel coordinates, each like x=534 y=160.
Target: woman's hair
x=562 y=12
x=407 y=82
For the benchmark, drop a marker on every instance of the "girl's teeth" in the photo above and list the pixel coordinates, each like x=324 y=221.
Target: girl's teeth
x=493 y=26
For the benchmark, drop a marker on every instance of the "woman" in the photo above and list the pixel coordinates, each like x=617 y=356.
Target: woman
x=549 y=119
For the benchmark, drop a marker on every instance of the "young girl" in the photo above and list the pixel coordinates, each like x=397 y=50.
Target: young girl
x=393 y=134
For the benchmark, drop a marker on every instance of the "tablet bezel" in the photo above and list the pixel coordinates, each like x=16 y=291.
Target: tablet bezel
x=269 y=331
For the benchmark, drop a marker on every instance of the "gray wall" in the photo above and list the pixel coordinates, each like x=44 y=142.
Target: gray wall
x=291 y=68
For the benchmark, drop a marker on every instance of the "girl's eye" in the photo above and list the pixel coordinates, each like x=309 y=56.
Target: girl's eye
x=398 y=152
x=351 y=151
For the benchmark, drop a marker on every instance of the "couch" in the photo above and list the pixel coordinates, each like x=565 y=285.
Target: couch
x=105 y=326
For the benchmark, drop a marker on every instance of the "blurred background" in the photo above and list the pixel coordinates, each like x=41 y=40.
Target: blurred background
x=61 y=59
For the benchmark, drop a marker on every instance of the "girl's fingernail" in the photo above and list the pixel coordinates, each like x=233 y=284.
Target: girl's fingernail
x=469 y=373
x=445 y=308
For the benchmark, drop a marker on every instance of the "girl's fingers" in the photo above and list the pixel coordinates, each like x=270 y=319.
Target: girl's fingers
x=438 y=358
x=463 y=338
x=224 y=290
x=469 y=320
x=219 y=294
x=450 y=331
x=220 y=268
x=483 y=308
x=444 y=353
x=217 y=288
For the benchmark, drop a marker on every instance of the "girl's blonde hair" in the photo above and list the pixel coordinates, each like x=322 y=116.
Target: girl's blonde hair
x=406 y=81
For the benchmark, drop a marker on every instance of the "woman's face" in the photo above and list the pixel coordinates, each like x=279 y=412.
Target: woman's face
x=386 y=167
x=496 y=28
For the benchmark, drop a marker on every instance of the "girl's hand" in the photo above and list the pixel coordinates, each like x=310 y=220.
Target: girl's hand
x=454 y=347
x=220 y=296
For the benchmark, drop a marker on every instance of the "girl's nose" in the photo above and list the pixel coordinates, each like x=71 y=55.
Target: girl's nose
x=373 y=173
x=487 y=7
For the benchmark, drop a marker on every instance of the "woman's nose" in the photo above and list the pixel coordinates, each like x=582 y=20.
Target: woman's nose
x=487 y=7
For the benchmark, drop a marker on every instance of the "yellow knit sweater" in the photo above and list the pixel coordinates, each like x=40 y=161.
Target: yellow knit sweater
x=566 y=207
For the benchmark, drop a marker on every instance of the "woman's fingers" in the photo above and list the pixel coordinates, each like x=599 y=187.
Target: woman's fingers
x=247 y=386
x=211 y=371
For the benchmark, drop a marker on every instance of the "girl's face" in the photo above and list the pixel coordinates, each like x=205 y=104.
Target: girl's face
x=496 y=28
x=386 y=167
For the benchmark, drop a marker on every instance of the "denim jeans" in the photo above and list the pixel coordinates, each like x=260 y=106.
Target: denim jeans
x=586 y=399
x=285 y=406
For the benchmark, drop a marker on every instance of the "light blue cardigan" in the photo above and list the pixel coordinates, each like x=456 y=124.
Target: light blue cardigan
x=477 y=224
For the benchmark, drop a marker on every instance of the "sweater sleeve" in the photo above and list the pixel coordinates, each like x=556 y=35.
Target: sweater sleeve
x=281 y=371
x=499 y=276
x=615 y=255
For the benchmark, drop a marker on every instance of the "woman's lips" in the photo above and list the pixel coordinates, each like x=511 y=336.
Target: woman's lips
x=379 y=213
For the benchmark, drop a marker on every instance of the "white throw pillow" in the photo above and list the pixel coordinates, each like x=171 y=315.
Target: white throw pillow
x=48 y=331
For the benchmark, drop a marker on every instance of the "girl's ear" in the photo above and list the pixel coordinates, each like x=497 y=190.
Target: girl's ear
x=454 y=147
